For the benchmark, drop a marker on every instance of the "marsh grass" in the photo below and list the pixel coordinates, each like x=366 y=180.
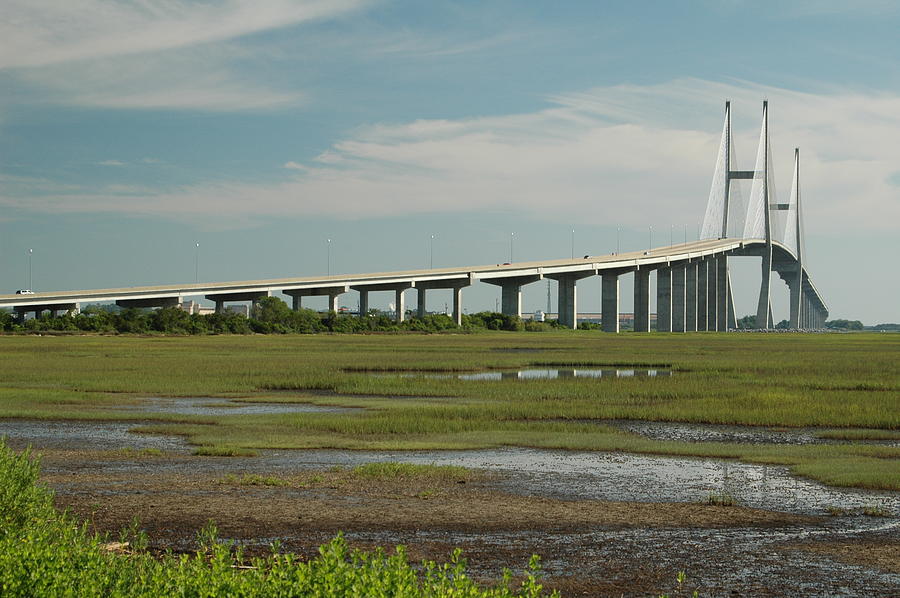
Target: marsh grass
x=394 y=471
x=720 y=499
x=224 y=451
x=847 y=383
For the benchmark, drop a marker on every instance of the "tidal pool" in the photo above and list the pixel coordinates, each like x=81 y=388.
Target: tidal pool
x=534 y=472
x=220 y=406
x=549 y=374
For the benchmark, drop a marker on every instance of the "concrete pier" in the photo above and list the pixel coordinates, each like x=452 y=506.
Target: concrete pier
x=511 y=292
x=221 y=298
x=332 y=292
x=610 y=302
x=712 y=293
x=664 y=299
x=679 y=297
x=702 y=295
x=690 y=300
x=399 y=288
x=722 y=293
x=455 y=286
x=642 y=300
x=567 y=296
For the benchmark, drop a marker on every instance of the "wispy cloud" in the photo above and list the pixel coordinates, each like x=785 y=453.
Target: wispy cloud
x=633 y=155
x=111 y=163
x=44 y=32
x=176 y=54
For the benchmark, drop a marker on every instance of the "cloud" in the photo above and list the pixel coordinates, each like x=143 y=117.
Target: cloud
x=111 y=163
x=629 y=155
x=45 y=32
x=177 y=54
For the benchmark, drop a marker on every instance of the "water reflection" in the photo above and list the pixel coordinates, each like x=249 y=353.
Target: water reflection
x=555 y=373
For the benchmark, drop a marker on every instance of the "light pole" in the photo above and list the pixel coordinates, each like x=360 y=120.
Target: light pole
x=651 y=236
x=30 y=287
x=511 y=237
x=197 y=264
x=573 y=243
x=431 y=255
x=671 y=235
x=685 y=234
x=329 y=256
x=617 y=240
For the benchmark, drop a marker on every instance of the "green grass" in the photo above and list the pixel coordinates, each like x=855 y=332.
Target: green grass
x=394 y=471
x=224 y=451
x=846 y=384
x=45 y=553
x=720 y=500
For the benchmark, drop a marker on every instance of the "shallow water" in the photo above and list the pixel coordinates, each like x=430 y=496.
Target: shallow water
x=549 y=374
x=557 y=474
x=688 y=432
x=219 y=406
x=72 y=435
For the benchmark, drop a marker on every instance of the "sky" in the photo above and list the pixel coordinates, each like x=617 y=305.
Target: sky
x=294 y=138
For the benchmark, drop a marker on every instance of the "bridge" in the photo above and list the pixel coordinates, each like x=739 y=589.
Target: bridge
x=693 y=283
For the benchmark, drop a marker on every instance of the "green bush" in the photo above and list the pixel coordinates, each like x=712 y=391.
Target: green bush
x=44 y=553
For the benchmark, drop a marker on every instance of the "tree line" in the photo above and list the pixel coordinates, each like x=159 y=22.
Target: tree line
x=270 y=315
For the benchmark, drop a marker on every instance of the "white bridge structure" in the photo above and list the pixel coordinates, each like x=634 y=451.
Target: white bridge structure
x=693 y=283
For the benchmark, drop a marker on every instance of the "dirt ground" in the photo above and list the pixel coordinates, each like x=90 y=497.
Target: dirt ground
x=588 y=547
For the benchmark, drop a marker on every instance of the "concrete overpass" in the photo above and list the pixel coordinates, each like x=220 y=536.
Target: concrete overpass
x=692 y=279
x=693 y=287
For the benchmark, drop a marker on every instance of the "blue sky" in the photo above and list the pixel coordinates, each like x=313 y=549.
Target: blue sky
x=130 y=131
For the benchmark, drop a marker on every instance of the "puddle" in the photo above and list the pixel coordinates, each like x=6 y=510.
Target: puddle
x=85 y=435
x=219 y=406
x=549 y=374
x=620 y=477
x=688 y=432
x=532 y=472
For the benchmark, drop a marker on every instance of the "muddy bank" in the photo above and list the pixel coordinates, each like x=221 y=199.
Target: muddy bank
x=588 y=547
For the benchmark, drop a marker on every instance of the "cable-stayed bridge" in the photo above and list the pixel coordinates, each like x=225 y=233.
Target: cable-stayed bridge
x=693 y=283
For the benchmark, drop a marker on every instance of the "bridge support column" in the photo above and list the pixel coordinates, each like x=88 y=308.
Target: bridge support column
x=332 y=292
x=679 y=291
x=610 y=302
x=511 y=292
x=794 y=288
x=400 y=303
x=220 y=307
x=764 y=307
x=566 y=297
x=690 y=292
x=712 y=293
x=702 y=278
x=642 y=300
x=511 y=300
x=664 y=299
x=567 y=302
x=457 y=305
x=722 y=293
x=420 y=303
x=363 y=303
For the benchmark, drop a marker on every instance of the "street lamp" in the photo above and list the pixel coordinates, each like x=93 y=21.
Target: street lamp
x=617 y=240
x=651 y=236
x=30 y=287
x=197 y=264
x=573 y=243
x=511 y=237
x=329 y=256
x=431 y=255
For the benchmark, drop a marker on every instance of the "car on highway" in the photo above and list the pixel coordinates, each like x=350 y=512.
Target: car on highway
x=24 y=292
